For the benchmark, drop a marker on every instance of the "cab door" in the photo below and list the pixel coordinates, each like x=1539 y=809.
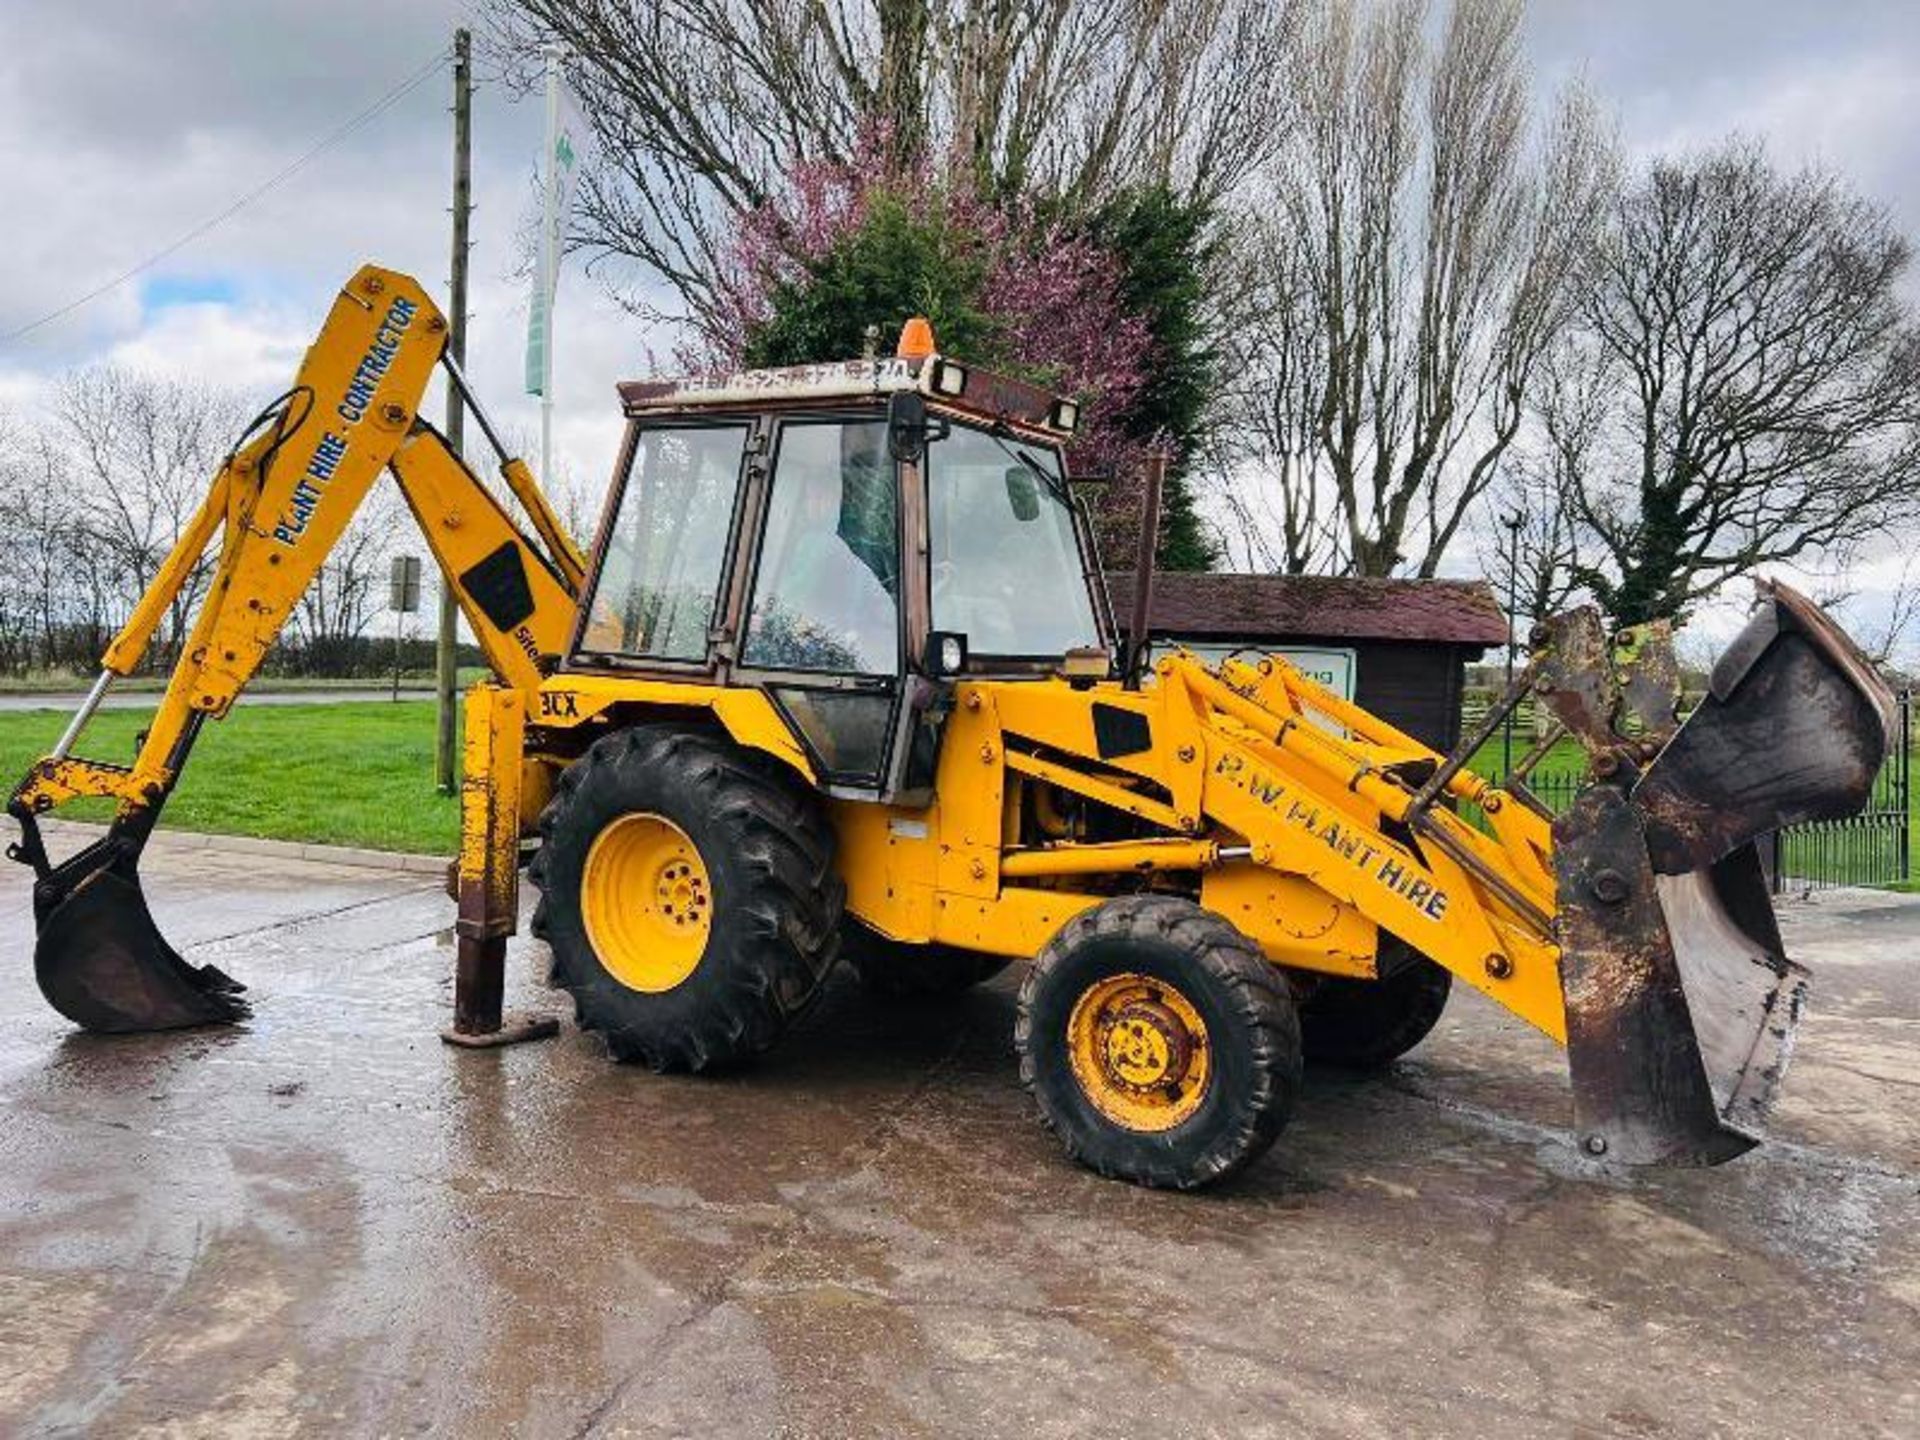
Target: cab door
x=823 y=620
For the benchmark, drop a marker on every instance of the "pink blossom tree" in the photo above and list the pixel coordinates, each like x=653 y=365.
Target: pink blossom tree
x=1049 y=295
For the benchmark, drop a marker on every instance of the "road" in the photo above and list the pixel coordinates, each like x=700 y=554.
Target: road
x=135 y=700
x=328 y=1223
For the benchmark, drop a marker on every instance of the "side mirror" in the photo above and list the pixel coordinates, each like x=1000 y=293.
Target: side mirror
x=1023 y=497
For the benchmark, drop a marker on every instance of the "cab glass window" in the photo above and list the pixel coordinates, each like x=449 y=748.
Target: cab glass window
x=1006 y=563
x=660 y=578
x=827 y=593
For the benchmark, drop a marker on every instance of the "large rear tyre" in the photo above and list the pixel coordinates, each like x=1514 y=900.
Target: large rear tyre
x=1159 y=1043
x=894 y=970
x=688 y=893
x=1365 y=1024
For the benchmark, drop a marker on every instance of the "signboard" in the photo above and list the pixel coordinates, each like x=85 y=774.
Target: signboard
x=566 y=129
x=1334 y=669
x=405 y=594
x=1331 y=668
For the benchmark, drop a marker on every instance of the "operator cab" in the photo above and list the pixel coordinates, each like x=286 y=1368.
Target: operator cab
x=848 y=538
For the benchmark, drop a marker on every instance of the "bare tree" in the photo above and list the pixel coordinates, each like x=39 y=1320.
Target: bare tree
x=1745 y=382
x=143 y=451
x=706 y=109
x=1267 y=467
x=350 y=588
x=1568 y=413
x=1424 y=238
x=1885 y=632
x=45 y=545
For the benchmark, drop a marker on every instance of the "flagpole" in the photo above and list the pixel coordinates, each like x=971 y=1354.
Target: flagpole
x=549 y=259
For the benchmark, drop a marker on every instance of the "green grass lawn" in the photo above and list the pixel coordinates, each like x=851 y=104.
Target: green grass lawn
x=351 y=774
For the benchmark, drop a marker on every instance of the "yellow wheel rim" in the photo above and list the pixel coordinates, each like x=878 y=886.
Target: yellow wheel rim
x=1139 y=1051
x=647 y=901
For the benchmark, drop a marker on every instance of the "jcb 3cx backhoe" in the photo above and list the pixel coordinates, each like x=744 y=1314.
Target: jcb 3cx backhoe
x=840 y=668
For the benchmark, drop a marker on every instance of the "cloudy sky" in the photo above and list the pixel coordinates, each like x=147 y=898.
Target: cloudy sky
x=124 y=124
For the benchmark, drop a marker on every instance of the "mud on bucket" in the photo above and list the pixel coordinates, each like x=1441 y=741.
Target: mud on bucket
x=1681 y=1001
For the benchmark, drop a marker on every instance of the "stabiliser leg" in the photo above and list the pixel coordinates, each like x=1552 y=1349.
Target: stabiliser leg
x=487 y=885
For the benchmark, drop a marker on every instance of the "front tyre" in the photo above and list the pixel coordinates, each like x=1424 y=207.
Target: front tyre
x=688 y=893
x=1161 y=1046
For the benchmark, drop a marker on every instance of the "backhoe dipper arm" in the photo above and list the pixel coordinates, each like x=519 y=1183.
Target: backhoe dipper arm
x=279 y=505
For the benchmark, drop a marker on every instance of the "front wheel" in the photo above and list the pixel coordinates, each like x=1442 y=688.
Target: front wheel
x=1159 y=1043
x=688 y=893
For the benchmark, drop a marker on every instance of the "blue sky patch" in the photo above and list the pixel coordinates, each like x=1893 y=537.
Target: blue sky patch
x=163 y=290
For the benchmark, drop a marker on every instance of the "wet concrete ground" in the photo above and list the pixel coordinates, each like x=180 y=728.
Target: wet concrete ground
x=329 y=1223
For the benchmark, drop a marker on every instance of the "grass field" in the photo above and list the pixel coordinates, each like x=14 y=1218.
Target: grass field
x=349 y=774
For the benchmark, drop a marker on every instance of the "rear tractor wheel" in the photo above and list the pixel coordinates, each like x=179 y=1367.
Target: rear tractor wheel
x=1160 y=1044
x=1364 y=1024
x=688 y=893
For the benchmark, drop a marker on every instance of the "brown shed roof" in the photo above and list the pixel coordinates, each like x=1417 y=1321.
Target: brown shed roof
x=1459 y=612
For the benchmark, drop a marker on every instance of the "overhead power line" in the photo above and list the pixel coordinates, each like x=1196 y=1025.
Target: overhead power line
x=272 y=182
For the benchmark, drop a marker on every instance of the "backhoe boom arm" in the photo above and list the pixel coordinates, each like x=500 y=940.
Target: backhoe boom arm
x=278 y=505
x=281 y=502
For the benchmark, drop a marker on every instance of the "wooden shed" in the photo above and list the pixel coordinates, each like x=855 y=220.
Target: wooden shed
x=1400 y=648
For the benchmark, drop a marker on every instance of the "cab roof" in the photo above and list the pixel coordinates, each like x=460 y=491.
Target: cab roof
x=979 y=394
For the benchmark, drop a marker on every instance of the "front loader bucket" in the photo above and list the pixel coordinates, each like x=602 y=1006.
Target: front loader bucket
x=102 y=962
x=1681 y=1001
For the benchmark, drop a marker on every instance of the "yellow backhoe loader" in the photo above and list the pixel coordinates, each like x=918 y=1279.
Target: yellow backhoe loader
x=839 y=676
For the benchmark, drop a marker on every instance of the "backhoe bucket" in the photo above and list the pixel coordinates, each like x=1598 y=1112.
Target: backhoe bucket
x=102 y=962
x=1681 y=1002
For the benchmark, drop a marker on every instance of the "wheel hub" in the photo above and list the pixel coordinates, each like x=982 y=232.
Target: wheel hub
x=1146 y=1046
x=1139 y=1051
x=647 y=901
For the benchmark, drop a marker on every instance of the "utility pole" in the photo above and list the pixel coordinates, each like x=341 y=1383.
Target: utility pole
x=549 y=257
x=445 y=770
x=1513 y=523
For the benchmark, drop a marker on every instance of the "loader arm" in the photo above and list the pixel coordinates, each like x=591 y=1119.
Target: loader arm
x=277 y=506
x=1634 y=929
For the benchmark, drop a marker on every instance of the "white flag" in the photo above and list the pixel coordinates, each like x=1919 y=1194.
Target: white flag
x=566 y=132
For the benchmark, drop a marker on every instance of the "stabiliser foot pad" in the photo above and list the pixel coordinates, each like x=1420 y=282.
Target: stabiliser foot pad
x=513 y=1031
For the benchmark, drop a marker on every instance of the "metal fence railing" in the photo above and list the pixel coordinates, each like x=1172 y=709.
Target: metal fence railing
x=1874 y=847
